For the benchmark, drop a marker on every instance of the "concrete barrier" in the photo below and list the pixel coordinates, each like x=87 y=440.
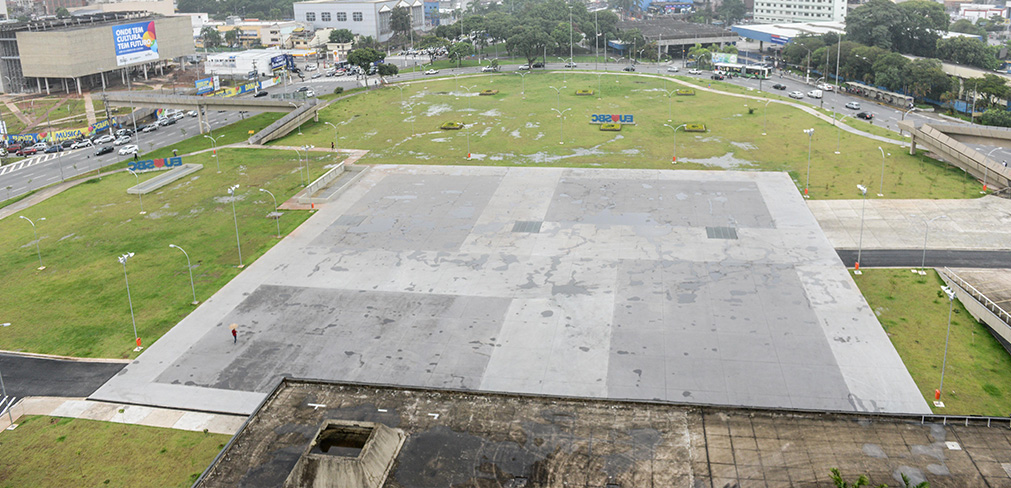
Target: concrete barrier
x=163 y=179
x=316 y=197
x=936 y=139
x=979 y=306
x=283 y=126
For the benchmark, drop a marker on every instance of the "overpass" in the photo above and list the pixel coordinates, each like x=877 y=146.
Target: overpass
x=950 y=143
x=200 y=104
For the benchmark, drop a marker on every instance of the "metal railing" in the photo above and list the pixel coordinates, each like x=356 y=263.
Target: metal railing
x=989 y=304
x=965 y=420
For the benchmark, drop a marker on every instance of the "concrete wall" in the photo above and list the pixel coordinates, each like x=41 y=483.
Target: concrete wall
x=73 y=52
x=956 y=153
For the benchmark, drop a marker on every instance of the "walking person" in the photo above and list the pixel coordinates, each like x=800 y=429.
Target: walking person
x=235 y=333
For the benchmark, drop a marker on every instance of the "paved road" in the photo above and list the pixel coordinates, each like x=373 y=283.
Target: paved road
x=935 y=258
x=28 y=376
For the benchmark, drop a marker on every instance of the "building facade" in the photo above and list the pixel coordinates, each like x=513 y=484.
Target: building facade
x=789 y=11
x=364 y=18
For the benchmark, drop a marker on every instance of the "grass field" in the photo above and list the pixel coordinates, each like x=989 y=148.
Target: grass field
x=77 y=306
x=914 y=313
x=237 y=131
x=508 y=129
x=51 y=451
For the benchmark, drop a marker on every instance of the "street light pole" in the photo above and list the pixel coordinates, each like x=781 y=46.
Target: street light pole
x=766 y=112
x=335 y=134
x=558 y=97
x=560 y=121
x=37 y=251
x=881 y=189
x=860 y=241
x=139 y=194
x=838 y=131
x=951 y=305
x=523 y=80
x=810 y=135
x=277 y=218
x=926 y=230
x=674 y=157
x=189 y=267
x=299 y=163
x=214 y=150
x=299 y=125
x=235 y=218
x=122 y=260
x=986 y=169
x=470 y=104
x=3 y=389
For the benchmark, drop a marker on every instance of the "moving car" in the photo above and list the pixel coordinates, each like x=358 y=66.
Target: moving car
x=694 y=71
x=316 y=75
x=672 y=69
x=27 y=151
x=796 y=94
x=147 y=128
x=865 y=115
x=570 y=65
x=129 y=149
x=103 y=150
x=82 y=144
x=779 y=86
x=432 y=72
x=105 y=139
x=814 y=93
x=538 y=65
x=717 y=76
x=489 y=69
x=178 y=115
x=853 y=105
x=826 y=87
x=260 y=93
x=54 y=148
x=192 y=113
x=121 y=140
x=524 y=67
x=628 y=68
x=167 y=121
x=310 y=93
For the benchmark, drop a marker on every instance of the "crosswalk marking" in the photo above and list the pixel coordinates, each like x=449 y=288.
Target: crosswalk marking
x=28 y=162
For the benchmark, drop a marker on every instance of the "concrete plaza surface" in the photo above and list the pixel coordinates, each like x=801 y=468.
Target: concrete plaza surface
x=702 y=287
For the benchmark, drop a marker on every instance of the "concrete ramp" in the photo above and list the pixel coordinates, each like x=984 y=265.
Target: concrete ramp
x=946 y=142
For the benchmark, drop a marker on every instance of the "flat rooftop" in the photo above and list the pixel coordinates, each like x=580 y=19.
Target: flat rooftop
x=700 y=287
x=457 y=438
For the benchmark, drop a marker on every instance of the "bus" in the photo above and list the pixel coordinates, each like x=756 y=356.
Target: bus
x=744 y=70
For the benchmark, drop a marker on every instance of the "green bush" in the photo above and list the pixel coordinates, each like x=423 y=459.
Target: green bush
x=584 y=92
x=488 y=92
x=996 y=117
x=451 y=126
x=611 y=127
x=695 y=127
x=338 y=90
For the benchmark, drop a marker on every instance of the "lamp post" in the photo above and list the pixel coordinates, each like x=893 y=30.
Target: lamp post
x=674 y=157
x=470 y=104
x=36 y=234
x=766 y=113
x=401 y=97
x=838 y=131
x=523 y=86
x=306 y=148
x=299 y=163
x=560 y=120
x=468 y=142
x=926 y=230
x=139 y=194
x=807 y=184
x=207 y=123
x=558 y=97
x=214 y=150
x=881 y=189
x=860 y=241
x=335 y=134
x=986 y=169
x=235 y=218
x=122 y=260
x=410 y=106
x=189 y=267
x=277 y=216
x=944 y=362
x=299 y=125
x=670 y=103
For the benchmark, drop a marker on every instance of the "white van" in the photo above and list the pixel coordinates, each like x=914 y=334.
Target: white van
x=814 y=93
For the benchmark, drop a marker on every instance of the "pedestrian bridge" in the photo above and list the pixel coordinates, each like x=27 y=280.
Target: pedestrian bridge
x=950 y=142
x=200 y=104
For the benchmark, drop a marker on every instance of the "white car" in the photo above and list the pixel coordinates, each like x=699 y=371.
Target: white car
x=796 y=94
x=82 y=144
x=432 y=72
x=41 y=146
x=121 y=140
x=694 y=71
x=489 y=69
x=192 y=113
x=826 y=87
x=150 y=128
x=178 y=115
x=814 y=93
x=310 y=67
x=672 y=69
x=524 y=67
x=129 y=149
x=105 y=139
x=853 y=105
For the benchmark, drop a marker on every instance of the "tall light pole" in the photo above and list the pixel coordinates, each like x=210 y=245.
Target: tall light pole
x=596 y=40
x=306 y=149
x=299 y=163
x=214 y=150
x=37 y=251
x=335 y=134
x=986 y=169
x=674 y=157
x=523 y=86
x=860 y=241
x=926 y=230
x=235 y=218
x=881 y=189
x=570 y=37
x=401 y=87
x=139 y=194
x=951 y=305
x=277 y=216
x=838 y=131
x=810 y=135
x=560 y=121
x=299 y=125
x=670 y=102
x=766 y=112
x=122 y=260
x=189 y=267
x=558 y=97
x=470 y=104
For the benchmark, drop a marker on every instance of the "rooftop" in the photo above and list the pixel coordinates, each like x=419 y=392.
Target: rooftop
x=670 y=28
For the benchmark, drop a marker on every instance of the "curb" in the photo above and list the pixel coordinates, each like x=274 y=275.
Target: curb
x=64 y=358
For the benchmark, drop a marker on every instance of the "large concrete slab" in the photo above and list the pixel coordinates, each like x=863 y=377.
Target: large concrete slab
x=702 y=287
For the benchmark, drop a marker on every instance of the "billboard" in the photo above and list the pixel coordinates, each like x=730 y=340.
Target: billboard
x=278 y=62
x=204 y=85
x=135 y=43
x=724 y=58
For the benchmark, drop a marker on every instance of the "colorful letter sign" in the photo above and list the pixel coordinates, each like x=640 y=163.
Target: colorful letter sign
x=160 y=163
x=135 y=43
x=626 y=119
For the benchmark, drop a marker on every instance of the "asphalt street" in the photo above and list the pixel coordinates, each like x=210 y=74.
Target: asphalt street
x=935 y=258
x=28 y=376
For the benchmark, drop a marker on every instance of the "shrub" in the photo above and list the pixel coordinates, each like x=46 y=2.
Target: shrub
x=451 y=126
x=695 y=128
x=338 y=90
x=685 y=92
x=611 y=127
x=488 y=92
x=584 y=92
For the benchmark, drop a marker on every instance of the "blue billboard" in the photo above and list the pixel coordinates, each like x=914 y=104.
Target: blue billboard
x=135 y=43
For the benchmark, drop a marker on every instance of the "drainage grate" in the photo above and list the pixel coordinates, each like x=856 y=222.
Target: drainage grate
x=350 y=220
x=721 y=232
x=530 y=226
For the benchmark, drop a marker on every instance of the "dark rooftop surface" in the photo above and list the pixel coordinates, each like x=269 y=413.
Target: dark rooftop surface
x=467 y=439
x=674 y=29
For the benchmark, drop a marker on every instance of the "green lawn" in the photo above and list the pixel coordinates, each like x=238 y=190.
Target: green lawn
x=508 y=129
x=238 y=131
x=77 y=306
x=52 y=451
x=914 y=313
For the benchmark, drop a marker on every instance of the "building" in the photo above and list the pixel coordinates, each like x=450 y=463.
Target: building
x=160 y=7
x=89 y=50
x=781 y=34
x=974 y=12
x=253 y=32
x=675 y=37
x=364 y=18
x=49 y=7
x=240 y=64
x=786 y=11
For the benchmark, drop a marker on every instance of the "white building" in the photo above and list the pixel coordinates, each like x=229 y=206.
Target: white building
x=365 y=18
x=239 y=64
x=785 y=11
x=975 y=12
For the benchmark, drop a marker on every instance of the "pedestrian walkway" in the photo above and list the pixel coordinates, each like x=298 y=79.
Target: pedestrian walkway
x=16 y=110
x=89 y=108
x=80 y=408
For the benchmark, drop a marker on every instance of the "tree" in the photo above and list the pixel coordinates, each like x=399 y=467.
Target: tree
x=888 y=71
x=365 y=42
x=799 y=48
x=460 y=50
x=992 y=87
x=922 y=24
x=528 y=43
x=341 y=36
x=62 y=13
x=387 y=69
x=232 y=37
x=432 y=43
x=969 y=51
x=731 y=11
x=400 y=20
x=364 y=57
x=927 y=79
x=966 y=26
x=871 y=23
x=211 y=37
x=275 y=14
x=702 y=56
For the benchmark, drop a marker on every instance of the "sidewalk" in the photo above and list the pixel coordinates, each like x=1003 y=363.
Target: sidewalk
x=80 y=408
x=89 y=108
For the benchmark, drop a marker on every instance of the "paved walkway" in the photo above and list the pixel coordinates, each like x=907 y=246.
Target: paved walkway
x=13 y=107
x=977 y=224
x=89 y=108
x=80 y=408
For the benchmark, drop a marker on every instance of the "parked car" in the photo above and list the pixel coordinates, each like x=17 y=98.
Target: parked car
x=148 y=128
x=717 y=76
x=779 y=86
x=672 y=69
x=121 y=140
x=13 y=148
x=41 y=146
x=865 y=115
x=82 y=143
x=261 y=93
x=105 y=139
x=103 y=150
x=814 y=93
x=538 y=65
x=55 y=148
x=432 y=72
x=67 y=144
x=853 y=105
x=129 y=149
x=796 y=94
x=694 y=71
x=27 y=151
